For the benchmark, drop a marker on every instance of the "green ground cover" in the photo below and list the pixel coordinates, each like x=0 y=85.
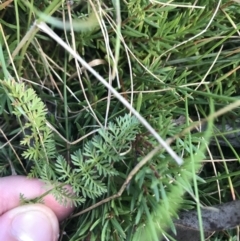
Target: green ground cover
x=74 y=76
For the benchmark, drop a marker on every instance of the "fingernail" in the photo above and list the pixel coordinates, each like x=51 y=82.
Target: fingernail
x=32 y=226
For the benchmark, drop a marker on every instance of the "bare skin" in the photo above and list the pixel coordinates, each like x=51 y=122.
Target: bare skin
x=32 y=221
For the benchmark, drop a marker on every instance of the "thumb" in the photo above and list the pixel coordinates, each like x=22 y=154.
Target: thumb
x=29 y=222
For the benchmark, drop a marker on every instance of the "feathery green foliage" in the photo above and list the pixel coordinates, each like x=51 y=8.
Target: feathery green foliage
x=89 y=167
x=39 y=139
x=167 y=60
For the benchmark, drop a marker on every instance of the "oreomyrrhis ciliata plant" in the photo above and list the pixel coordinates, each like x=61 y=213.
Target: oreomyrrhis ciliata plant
x=88 y=103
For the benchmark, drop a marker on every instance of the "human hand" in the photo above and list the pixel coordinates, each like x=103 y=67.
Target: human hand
x=31 y=222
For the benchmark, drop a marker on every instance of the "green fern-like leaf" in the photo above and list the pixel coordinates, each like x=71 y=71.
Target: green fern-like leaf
x=62 y=167
x=96 y=162
x=26 y=103
x=91 y=167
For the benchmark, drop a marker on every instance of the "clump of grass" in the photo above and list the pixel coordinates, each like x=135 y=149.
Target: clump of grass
x=105 y=63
